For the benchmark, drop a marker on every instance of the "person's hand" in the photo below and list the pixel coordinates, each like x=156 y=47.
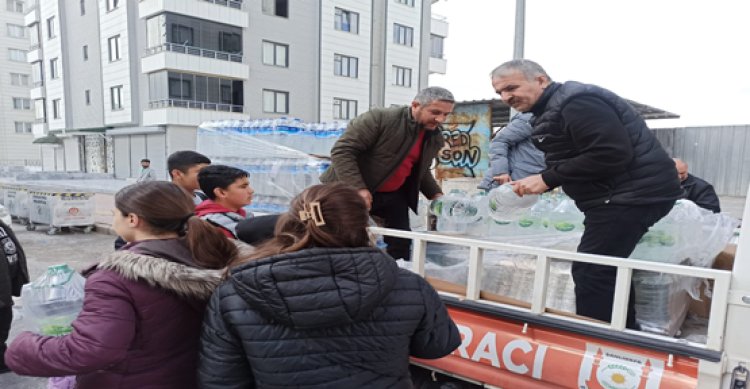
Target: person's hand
x=502 y=179
x=367 y=196
x=436 y=196
x=530 y=185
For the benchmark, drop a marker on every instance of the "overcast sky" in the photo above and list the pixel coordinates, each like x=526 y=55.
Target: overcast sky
x=688 y=57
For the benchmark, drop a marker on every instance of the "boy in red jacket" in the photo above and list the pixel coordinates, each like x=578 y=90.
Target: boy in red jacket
x=228 y=190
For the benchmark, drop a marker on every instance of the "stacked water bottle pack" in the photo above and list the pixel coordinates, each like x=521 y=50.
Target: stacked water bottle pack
x=283 y=156
x=502 y=212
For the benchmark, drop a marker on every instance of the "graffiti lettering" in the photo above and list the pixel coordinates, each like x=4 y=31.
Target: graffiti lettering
x=460 y=152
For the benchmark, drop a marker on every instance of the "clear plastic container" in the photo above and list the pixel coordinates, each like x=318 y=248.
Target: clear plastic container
x=505 y=206
x=52 y=301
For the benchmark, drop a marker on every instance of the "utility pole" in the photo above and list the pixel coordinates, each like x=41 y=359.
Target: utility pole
x=520 y=28
x=519 y=37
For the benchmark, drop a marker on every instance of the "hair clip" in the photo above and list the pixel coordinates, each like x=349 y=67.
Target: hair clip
x=314 y=213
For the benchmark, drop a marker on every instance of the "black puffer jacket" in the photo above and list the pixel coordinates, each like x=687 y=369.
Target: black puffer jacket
x=322 y=318
x=599 y=149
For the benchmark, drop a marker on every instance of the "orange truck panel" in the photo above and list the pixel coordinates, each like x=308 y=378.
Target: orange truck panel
x=496 y=352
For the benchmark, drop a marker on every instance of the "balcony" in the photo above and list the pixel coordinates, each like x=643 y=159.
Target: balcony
x=32 y=16
x=37 y=92
x=437 y=65
x=195 y=60
x=189 y=113
x=34 y=55
x=39 y=128
x=221 y=11
x=228 y=3
x=439 y=25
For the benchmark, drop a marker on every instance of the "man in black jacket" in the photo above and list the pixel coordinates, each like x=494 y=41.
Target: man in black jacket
x=696 y=189
x=599 y=149
x=13 y=275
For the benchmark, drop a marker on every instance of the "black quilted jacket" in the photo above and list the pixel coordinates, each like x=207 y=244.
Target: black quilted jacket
x=322 y=318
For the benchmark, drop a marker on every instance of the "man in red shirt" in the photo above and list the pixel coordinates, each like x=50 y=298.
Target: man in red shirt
x=386 y=153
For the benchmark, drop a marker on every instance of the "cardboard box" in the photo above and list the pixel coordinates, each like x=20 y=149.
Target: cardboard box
x=723 y=261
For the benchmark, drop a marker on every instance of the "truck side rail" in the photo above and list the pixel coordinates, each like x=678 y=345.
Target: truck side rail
x=625 y=267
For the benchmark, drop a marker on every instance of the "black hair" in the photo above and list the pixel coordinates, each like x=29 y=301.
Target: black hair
x=184 y=160
x=218 y=176
x=146 y=160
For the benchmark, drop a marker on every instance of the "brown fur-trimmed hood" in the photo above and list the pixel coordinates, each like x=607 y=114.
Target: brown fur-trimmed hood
x=185 y=281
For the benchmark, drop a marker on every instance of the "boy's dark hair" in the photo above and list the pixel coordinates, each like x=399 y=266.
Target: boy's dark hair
x=146 y=160
x=184 y=160
x=218 y=176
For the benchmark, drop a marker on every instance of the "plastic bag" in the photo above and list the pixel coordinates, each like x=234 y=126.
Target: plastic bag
x=52 y=301
x=66 y=382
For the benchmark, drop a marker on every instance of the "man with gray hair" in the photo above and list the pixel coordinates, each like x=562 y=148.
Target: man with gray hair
x=386 y=154
x=599 y=149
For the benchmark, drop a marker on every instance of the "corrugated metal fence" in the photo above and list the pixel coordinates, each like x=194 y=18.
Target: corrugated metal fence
x=719 y=155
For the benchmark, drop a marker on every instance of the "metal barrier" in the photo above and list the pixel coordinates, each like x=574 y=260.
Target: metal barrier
x=227 y=3
x=178 y=103
x=192 y=50
x=624 y=266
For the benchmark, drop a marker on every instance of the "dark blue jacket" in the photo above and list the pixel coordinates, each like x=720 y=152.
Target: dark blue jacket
x=322 y=318
x=599 y=149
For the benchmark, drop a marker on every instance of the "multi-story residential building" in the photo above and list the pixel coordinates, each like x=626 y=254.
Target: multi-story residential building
x=16 y=108
x=134 y=79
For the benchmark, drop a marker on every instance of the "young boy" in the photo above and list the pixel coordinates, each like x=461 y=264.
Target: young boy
x=228 y=190
x=183 y=167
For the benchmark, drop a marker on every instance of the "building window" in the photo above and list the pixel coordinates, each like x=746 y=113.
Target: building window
x=83 y=7
x=345 y=66
x=183 y=35
x=410 y=3
x=276 y=7
x=37 y=74
x=34 y=35
x=23 y=127
x=346 y=21
x=19 y=79
x=51 y=28
x=14 y=5
x=403 y=35
x=53 y=71
x=21 y=103
x=276 y=54
x=87 y=96
x=112 y=4
x=40 y=110
x=275 y=101
x=180 y=89
x=16 y=31
x=114 y=48
x=17 y=55
x=56 y=109
x=115 y=94
x=436 y=46
x=344 y=109
x=85 y=52
x=402 y=76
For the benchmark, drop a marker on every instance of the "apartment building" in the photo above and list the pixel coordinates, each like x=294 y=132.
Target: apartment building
x=134 y=79
x=16 y=114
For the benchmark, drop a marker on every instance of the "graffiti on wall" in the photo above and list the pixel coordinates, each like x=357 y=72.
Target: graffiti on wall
x=466 y=134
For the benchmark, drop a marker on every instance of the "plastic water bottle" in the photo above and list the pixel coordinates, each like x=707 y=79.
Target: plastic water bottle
x=378 y=238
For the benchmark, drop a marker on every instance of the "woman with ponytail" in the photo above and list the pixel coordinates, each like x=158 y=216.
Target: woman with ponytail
x=317 y=306
x=143 y=305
